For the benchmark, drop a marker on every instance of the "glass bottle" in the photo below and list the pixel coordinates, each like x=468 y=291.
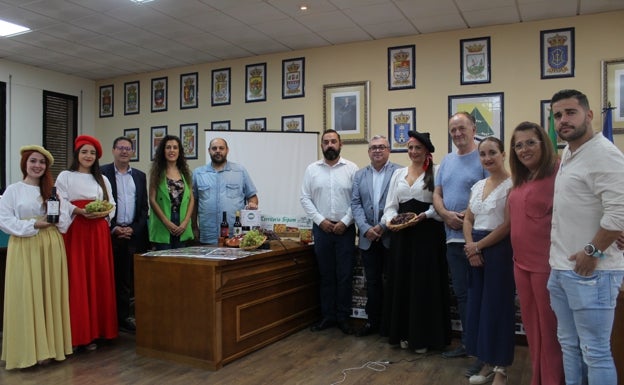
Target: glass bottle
x=238 y=227
x=53 y=207
x=225 y=227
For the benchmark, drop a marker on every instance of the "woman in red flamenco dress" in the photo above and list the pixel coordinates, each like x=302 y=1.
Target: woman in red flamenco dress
x=88 y=244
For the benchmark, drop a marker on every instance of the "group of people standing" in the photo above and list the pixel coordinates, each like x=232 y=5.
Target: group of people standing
x=551 y=229
x=69 y=285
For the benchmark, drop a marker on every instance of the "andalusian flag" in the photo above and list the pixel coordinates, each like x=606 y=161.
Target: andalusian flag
x=551 y=130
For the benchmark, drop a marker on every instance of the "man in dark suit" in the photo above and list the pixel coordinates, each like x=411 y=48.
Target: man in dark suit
x=128 y=227
x=370 y=188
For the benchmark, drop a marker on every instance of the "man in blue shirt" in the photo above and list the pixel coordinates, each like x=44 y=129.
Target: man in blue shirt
x=457 y=174
x=220 y=186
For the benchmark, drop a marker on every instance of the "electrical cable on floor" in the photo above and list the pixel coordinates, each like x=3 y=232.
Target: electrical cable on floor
x=378 y=366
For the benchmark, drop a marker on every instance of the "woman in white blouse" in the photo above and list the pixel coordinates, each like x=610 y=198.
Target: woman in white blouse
x=416 y=302
x=88 y=244
x=490 y=314
x=36 y=306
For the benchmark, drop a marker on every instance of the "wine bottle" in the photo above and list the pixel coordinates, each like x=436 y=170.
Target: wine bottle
x=225 y=227
x=238 y=227
x=53 y=207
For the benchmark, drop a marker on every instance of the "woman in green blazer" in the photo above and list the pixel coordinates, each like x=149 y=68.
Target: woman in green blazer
x=171 y=196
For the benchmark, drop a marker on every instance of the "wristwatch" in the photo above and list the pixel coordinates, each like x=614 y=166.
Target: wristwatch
x=593 y=251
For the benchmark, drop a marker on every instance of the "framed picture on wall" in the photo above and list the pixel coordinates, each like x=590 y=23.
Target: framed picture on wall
x=557 y=53
x=107 y=95
x=133 y=135
x=400 y=122
x=255 y=82
x=293 y=78
x=159 y=94
x=475 y=60
x=292 y=123
x=613 y=92
x=487 y=109
x=188 y=91
x=220 y=125
x=255 y=124
x=132 y=101
x=345 y=109
x=401 y=67
x=188 y=137
x=221 y=87
x=157 y=134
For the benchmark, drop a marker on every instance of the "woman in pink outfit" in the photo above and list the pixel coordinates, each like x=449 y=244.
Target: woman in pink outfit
x=534 y=164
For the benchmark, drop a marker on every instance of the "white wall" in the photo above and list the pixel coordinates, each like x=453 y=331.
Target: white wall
x=25 y=86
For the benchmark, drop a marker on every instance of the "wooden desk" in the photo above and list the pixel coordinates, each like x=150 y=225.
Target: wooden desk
x=210 y=312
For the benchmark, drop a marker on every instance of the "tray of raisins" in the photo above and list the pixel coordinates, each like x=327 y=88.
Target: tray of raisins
x=402 y=221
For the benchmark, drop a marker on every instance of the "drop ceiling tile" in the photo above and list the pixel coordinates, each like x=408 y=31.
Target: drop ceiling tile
x=69 y=32
x=345 y=35
x=303 y=41
x=491 y=16
x=256 y=13
x=374 y=14
x=390 y=29
x=439 y=23
x=59 y=9
x=327 y=20
x=180 y=10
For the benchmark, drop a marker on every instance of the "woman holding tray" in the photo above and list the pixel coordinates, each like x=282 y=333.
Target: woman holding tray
x=416 y=305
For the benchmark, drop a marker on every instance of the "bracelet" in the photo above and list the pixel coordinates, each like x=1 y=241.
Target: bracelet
x=477 y=249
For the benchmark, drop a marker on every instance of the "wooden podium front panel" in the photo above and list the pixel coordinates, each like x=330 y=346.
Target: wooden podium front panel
x=267 y=303
x=175 y=308
x=208 y=312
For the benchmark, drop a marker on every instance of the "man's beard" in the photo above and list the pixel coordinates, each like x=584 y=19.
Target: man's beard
x=220 y=160
x=331 y=154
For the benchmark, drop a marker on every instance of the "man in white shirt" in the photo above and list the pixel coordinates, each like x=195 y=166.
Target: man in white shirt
x=587 y=267
x=326 y=198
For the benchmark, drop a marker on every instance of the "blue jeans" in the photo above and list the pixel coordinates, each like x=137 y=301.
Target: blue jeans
x=585 y=308
x=335 y=258
x=459 y=267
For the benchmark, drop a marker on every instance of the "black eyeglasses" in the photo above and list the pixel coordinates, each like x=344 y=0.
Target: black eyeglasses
x=377 y=148
x=124 y=148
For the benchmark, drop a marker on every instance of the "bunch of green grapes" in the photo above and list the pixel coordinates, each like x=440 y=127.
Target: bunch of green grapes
x=98 y=206
x=252 y=238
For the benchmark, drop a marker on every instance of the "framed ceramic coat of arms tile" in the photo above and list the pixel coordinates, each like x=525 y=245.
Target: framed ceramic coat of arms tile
x=557 y=53
x=401 y=67
x=475 y=60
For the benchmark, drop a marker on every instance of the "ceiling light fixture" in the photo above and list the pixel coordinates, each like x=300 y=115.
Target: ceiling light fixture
x=303 y=8
x=8 y=29
x=141 y=1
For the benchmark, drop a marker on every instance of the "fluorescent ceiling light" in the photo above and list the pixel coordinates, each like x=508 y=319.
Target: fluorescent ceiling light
x=10 y=29
x=141 y=1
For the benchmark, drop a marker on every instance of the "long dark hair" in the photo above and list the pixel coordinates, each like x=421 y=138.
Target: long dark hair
x=94 y=170
x=519 y=172
x=45 y=181
x=159 y=165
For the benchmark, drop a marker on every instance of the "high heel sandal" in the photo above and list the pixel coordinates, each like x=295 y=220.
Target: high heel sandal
x=502 y=371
